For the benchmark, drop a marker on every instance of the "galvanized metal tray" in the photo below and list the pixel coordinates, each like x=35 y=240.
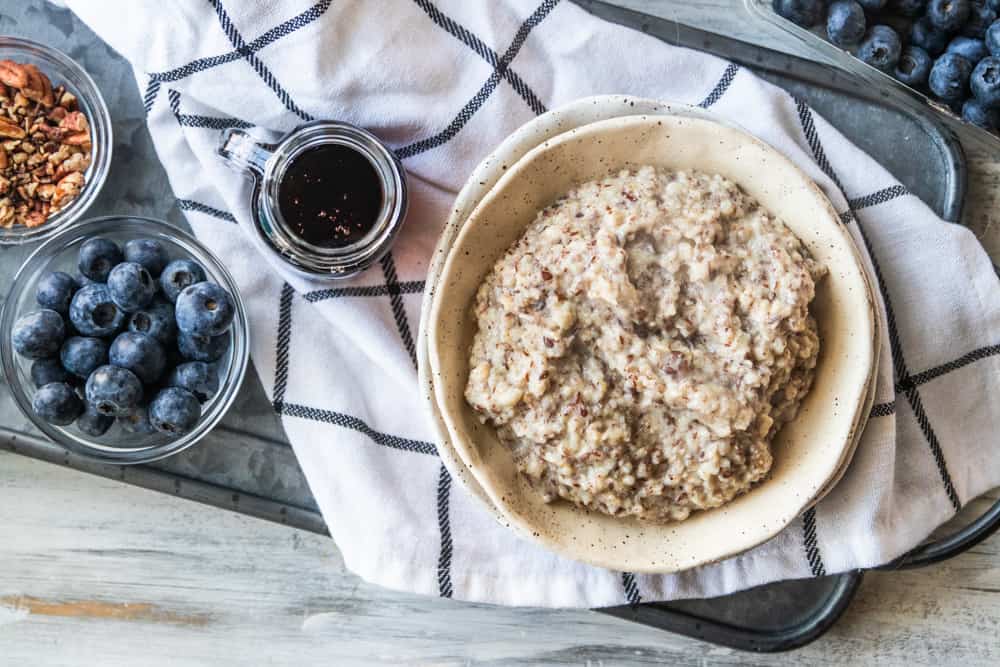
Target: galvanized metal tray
x=246 y=465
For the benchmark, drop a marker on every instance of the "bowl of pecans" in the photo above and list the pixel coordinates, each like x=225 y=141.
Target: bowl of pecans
x=55 y=141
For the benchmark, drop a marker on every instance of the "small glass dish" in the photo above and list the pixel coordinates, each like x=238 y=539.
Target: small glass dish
x=62 y=70
x=59 y=253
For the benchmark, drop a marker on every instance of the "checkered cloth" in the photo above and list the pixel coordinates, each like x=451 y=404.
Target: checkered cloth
x=443 y=82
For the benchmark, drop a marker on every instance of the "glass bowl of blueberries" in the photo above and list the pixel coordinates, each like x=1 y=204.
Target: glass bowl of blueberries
x=947 y=52
x=124 y=339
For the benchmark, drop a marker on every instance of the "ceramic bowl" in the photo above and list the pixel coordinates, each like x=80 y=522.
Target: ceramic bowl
x=810 y=453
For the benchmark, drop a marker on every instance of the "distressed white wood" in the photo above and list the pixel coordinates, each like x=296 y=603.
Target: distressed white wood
x=96 y=572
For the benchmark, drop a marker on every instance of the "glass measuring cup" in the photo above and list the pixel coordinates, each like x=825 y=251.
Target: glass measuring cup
x=267 y=165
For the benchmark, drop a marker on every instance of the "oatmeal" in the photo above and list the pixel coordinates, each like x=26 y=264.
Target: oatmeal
x=641 y=344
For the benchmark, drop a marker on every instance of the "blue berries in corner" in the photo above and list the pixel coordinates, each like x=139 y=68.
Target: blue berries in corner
x=113 y=391
x=949 y=77
x=55 y=291
x=971 y=49
x=97 y=257
x=130 y=286
x=174 y=411
x=913 y=67
x=805 y=13
x=985 y=82
x=57 y=403
x=178 y=275
x=39 y=335
x=94 y=313
x=148 y=252
x=948 y=15
x=881 y=48
x=845 y=23
x=204 y=309
x=929 y=38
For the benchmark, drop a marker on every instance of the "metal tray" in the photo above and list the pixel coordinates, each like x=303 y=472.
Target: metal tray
x=247 y=466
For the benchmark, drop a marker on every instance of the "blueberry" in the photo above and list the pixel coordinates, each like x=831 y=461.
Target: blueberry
x=55 y=291
x=57 y=403
x=174 y=411
x=929 y=38
x=93 y=312
x=980 y=18
x=948 y=15
x=93 y=423
x=845 y=24
x=147 y=252
x=82 y=355
x=805 y=13
x=202 y=348
x=97 y=257
x=985 y=82
x=977 y=113
x=913 y=67
x=130 y=286
x=156 y=320
x=873 y=5
x=38 y=335
x=113 y=391
x=881 y=48
x=139 y=353
x=46 y=371
x=137 y=421
x=949 y=78
x=993 y=38
x=197 y=377
x=179 y=274
x=972 y=50
x=204 y=309
x=911 y=8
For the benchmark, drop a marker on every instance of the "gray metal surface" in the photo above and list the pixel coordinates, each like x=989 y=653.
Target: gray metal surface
x=247 y=466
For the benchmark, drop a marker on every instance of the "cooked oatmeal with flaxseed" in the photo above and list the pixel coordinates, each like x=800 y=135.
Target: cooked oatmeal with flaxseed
x=641 y=344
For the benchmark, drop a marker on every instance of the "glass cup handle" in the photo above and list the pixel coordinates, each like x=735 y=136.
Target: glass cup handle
x=243 y=153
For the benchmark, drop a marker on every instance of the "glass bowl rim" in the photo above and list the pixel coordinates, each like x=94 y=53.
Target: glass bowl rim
x=102 y=141
x=229 y=384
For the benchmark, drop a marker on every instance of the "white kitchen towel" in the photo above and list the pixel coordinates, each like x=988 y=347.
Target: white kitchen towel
x=443 y=82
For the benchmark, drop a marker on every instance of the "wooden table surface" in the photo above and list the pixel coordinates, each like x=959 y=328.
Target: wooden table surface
x=91 y=569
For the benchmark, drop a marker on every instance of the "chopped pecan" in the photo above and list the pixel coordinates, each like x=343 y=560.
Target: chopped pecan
x=13 y=74
x=11 y=130
x=75 y=121
x=39 y=88
x=78 y=139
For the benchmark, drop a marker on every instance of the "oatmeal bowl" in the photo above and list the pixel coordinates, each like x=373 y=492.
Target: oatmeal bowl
x=651 y=343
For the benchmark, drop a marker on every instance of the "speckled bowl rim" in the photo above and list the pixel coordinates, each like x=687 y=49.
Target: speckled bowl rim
x=482 y=181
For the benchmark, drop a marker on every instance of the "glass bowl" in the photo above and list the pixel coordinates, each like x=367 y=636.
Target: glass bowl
x=59 y=253
x=62 y=70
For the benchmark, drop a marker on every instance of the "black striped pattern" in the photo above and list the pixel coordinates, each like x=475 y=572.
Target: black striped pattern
x=944 y=369
x=258 y=65
x=899 y=363
x=809 y=130
x=398 y=312
x=883 y=409
x=444 y=525
x=406 y=287
x=880 y=197
x=813 y=555
x=192 y=205
x=272 y=35
x=721 y=87
x=284 y=338
x=477 y=101
x=207 y=122
x=150 y=96
x=462 y=34
x=355 y=424
x=631 y=590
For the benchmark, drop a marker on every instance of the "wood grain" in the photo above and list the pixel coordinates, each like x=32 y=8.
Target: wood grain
x=96 y=572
